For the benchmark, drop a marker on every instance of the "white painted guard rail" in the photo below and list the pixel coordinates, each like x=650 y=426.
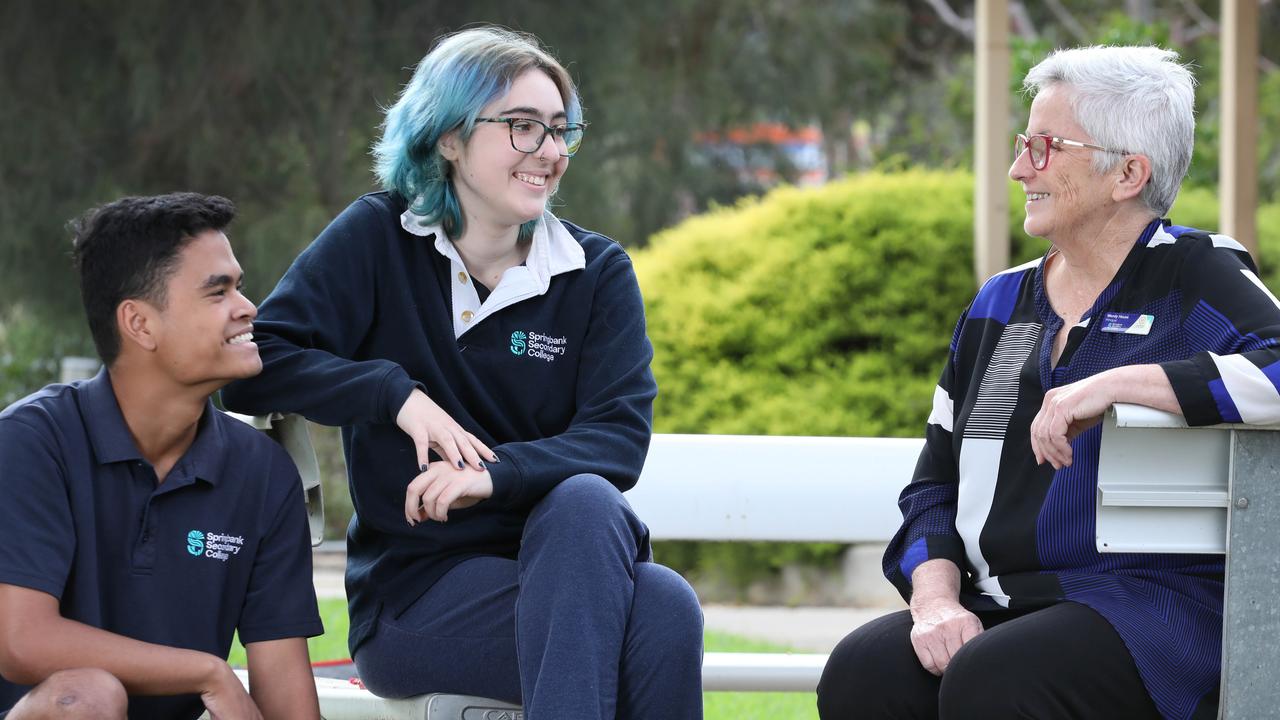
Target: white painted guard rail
x=750 y=487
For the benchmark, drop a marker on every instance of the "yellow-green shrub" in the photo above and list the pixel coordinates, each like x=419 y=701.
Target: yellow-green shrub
x=823 y=311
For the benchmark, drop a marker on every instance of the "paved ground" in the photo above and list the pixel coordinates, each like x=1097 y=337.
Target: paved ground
x=807 y=629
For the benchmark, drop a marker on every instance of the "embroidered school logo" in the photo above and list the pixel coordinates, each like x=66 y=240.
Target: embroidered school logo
x=219 y=546
x=546 y=348
x=517 y=342
x=195 y=542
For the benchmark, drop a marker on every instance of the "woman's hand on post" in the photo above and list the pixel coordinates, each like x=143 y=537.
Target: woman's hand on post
x=1071 y=409
x=431 y=428
x=1066 y=412
x=441 y=488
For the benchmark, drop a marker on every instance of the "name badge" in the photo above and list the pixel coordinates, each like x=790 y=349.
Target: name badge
x=1127 y=323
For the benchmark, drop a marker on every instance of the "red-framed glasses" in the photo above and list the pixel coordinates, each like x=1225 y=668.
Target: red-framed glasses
x=1040 y=146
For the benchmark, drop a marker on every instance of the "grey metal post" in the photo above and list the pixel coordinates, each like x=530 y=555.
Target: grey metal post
x=1251 y=610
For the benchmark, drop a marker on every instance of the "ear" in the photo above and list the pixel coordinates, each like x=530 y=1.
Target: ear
x=450 y=146
x=1132 y=175
x=135 y=319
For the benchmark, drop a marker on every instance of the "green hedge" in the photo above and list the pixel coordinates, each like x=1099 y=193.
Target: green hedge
x=823 y=311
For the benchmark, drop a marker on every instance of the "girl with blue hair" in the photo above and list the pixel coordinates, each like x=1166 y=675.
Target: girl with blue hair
x=489 y=367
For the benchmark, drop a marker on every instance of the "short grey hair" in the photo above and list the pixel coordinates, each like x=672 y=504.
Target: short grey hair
x=1137 y=99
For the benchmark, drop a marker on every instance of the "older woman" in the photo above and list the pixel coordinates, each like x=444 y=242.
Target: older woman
x=453 y=314
x=1013 y=612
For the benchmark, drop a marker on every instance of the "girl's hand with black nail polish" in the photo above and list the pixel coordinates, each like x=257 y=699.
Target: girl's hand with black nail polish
x=431 y=428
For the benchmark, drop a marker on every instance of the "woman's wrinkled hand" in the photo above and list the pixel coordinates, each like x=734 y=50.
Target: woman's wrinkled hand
x=1066 y=412
x=431 y=428
x=941 y=627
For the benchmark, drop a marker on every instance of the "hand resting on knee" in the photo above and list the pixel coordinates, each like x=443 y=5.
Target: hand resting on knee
x=942 y=625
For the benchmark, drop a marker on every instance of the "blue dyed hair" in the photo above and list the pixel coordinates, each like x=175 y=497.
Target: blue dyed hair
x=450 y=87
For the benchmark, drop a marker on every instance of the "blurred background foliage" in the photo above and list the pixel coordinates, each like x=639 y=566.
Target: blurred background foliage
x=816 y=311
x=275 y=104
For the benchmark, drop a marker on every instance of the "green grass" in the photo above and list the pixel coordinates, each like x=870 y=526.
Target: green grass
x=716 y=705
x=735 y=705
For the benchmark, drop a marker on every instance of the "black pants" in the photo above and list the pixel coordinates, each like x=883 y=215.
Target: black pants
x=1064 y=661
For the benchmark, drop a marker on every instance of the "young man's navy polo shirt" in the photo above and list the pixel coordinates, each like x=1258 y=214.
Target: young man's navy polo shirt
x=222 y=544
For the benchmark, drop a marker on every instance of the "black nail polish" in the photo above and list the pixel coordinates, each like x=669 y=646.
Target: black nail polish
x=496 y=459
x=460 y=465
x=482 y=465
x=422 y=468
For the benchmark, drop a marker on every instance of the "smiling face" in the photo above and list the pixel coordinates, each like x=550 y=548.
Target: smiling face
x=204 y=333
x=499 y=187
x=1067 y=194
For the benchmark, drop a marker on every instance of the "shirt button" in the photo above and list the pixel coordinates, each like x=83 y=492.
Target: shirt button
x=467 y=315
x=462 y=278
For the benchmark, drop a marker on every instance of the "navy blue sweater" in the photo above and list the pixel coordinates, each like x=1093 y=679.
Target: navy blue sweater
x=558 y=384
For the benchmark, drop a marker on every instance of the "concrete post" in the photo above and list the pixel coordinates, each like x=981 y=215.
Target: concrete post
x=991 y=139
x=1238 y=163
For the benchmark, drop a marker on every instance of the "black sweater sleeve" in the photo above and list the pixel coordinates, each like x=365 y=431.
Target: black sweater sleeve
x=311 y=325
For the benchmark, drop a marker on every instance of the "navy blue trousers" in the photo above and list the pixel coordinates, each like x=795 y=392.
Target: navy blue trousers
x=581 y=625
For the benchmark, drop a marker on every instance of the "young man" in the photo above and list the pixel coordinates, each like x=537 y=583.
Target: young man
x=139 y=527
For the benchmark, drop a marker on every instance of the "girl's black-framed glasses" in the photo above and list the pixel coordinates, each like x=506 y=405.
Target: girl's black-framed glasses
x=527 y=134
